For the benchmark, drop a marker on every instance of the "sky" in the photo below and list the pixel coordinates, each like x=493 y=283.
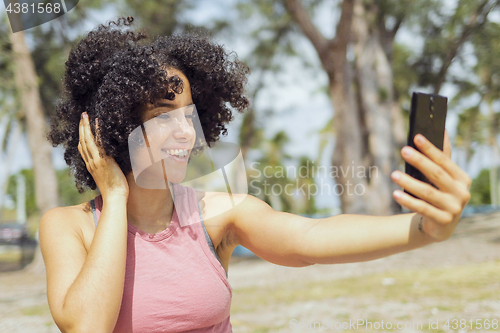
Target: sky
x=300 y=109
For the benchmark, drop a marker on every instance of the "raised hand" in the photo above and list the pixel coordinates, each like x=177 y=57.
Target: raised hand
x=104 y=169
x=439 y=207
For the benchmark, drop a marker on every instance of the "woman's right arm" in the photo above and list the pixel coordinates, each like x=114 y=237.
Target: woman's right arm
x=85 y=289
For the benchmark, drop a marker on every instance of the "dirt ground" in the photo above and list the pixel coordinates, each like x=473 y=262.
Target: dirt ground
x=23 y=304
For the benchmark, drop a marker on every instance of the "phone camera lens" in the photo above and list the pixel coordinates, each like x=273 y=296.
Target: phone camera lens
x=432 y=104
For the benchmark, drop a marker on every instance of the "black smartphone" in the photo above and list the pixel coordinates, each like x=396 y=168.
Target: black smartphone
x=427 y=117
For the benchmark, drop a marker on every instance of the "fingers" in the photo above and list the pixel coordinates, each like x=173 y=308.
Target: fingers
x=87 y=144
x=441 y=208
x=82 y=146
x=445 y=171
x=443 y=159
x=430 y=168
x=423 y=208
x=90 y=143
x=97 y=128
x=426 y=192
x=437 y=223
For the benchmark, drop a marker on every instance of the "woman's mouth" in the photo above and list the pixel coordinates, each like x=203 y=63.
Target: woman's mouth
x=179 y=155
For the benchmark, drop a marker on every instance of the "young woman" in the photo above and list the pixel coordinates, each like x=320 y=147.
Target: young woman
x=123 y=262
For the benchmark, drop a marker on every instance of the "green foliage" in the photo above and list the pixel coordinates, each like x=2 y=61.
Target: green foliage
x=8 y=106
x=6 y=73
x=250 y=134
x=475 y=128
x=68 y=193
x=309 y=202
x=445 y=32
x=325 y=134
x=271 y=166
x=50 y=55
x=404 y=77
x=275 y=185
x=29 y=180
x=159 y=17
x=470 y=129
x=480 y=189
x=165 y=17
x=275 y=36
x=487 y=47
x=383 y=95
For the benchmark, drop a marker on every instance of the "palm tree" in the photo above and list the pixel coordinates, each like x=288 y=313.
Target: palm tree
x=31 y=113
x=474 y=128
x=307 y=179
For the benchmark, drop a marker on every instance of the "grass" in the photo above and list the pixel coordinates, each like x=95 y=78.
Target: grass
x=33 y=223
x=473 y=282
x=36 y=310
x=10 y=256
x=449 y=290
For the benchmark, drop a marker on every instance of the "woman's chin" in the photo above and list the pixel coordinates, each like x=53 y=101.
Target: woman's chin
x=154 y=177
x=172 y=167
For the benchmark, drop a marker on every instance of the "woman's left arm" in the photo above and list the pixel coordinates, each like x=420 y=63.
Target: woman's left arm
x=292 y=240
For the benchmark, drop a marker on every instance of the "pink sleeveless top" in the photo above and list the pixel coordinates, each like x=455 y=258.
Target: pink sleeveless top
x=173 y=281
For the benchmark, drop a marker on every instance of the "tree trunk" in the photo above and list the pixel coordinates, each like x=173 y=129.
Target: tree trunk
x=375 y=99
x=361 y=92
x=349 y=155
x=46 y=186
x=14 y=134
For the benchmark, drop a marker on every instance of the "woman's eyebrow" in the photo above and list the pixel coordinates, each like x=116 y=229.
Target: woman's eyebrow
x=164 y=104
x=161 y=104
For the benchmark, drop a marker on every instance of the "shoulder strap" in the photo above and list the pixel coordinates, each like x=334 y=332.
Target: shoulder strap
x=185 y=201
x=92 y=204
x=209 y=240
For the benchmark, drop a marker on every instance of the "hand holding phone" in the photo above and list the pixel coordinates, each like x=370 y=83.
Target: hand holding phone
x=427 y=117
x=440 y=204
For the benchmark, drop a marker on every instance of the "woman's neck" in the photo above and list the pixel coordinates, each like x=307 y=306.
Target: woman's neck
x=150 y=210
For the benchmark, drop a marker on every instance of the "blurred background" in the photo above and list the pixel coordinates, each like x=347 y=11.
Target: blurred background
x=330 y=86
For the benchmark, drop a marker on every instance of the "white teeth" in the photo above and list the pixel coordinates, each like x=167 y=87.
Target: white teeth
x=177 y=152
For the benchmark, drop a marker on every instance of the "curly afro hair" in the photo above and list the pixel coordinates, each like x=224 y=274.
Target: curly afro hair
x=112 y=72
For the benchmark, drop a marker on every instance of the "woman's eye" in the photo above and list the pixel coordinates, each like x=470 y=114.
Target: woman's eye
x=163 y=116
x=166 y=116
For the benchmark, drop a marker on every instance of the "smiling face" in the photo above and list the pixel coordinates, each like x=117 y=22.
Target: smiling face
x=170 y=128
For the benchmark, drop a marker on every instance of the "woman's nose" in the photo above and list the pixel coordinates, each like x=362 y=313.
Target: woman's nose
x=183 y=128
